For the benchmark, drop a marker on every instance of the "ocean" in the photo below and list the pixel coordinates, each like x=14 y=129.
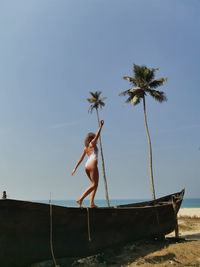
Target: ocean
x=187 y=202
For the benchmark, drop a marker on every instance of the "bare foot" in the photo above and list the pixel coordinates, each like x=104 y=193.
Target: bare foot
x=79 y=201
x=93 y=206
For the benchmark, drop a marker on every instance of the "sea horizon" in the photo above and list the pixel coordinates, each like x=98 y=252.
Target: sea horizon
x=187 y=202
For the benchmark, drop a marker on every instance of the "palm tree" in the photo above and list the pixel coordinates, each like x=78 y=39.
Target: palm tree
x=96 y=103
x=144 y=83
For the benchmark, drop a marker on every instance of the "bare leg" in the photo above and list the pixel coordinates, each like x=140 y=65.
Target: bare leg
x=80 y=200
x=87 y=192
x=95 y=178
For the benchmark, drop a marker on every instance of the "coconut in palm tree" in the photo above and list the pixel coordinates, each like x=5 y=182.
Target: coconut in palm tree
x=96 y=103
x=144 y=83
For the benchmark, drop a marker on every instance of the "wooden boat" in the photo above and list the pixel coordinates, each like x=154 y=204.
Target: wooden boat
x=25 y=228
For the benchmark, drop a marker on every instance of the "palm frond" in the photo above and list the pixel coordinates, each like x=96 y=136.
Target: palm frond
x=101 y=104
x=96 y=94
x=124 y=92
x=155 y=70
x=135 y=97
x=149 y=75
x=135 y=100
x=91 y=100
x=139 y=72
x=158 y=82
x=158 y=95
x=144 y=75
x=103 y=98
x=130 y=79
x=134 y=88
x=128 y=100
x=92 y=94
x=137 y=92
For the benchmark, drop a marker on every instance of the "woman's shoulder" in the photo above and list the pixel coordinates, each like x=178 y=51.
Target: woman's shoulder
x=90 y=147
x=85 y=150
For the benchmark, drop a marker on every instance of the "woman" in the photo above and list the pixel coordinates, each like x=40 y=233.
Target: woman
x=91 y=167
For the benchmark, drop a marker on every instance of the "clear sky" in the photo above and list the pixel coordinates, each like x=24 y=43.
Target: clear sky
x=53 y=52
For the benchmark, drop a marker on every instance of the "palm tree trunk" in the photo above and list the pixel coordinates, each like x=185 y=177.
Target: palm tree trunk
x=150 y=150
x=103 y=165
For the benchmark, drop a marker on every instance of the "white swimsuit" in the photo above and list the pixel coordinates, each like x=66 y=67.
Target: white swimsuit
x=94 y=155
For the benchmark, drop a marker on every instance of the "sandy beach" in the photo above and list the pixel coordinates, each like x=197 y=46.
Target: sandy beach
x=190 y=212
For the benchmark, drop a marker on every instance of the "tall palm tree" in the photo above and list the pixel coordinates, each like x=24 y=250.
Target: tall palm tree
x=96 y=103
x=144 y=83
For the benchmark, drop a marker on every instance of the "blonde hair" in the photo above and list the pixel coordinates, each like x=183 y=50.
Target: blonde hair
x=89 y=138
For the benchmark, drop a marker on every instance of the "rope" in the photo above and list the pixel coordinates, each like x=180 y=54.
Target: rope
x=51 y=234
x=88 y=215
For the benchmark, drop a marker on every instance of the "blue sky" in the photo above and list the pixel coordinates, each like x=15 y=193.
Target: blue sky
x=52 y=53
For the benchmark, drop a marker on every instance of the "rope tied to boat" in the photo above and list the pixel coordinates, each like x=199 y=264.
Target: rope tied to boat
x=88 y=216
x=51 y=234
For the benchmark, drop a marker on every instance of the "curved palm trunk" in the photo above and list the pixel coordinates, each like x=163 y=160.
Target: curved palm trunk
x=103 y=166
x=150 y=150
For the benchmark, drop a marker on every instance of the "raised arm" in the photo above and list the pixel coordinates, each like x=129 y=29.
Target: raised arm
x=79 y=161
x=94 y=141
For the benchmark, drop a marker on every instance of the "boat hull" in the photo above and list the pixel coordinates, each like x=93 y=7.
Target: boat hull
x=25 y=228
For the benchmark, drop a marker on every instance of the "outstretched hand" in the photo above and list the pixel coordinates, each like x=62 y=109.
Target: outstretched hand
x=101 y=123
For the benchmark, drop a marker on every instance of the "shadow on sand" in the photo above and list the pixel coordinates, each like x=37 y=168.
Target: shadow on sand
x=194 y=237
x=121 y=255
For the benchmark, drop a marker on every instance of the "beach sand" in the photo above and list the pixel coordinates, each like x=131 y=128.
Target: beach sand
x=160 y=253
x=191 y=212
x=172 y=252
